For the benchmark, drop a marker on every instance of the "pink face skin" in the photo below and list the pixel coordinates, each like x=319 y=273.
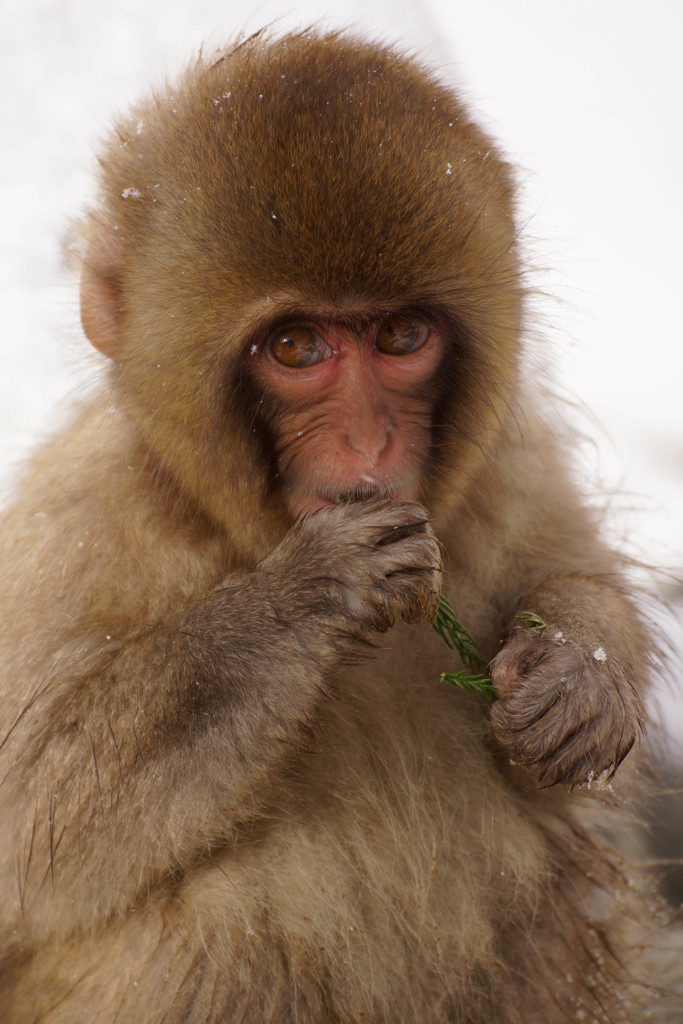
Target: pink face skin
x=356 y=424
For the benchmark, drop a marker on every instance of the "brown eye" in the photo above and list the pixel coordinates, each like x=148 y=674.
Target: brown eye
x=297 y=347
x=398 y=335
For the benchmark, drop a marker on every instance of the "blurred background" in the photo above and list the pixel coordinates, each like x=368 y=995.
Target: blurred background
x=586 y=100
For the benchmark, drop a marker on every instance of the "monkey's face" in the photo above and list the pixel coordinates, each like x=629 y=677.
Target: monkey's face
x=354 y=412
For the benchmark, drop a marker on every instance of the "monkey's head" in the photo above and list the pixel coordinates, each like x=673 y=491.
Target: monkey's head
x=303 y=269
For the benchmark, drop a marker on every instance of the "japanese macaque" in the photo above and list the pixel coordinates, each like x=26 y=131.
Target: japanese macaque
x=234 y=787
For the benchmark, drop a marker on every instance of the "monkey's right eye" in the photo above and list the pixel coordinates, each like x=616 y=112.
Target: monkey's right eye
x=298 y=347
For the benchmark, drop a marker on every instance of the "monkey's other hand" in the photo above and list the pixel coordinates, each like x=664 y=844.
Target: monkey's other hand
x=565 y=713
x=348 y=571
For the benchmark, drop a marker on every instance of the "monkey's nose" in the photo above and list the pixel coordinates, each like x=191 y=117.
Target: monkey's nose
x=369 y=443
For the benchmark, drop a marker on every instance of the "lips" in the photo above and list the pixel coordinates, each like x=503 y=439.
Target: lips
x=369 y=489
x=309 y=503
x=357 y=494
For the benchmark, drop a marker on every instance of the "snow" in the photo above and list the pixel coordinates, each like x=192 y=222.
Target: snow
x=585 y=99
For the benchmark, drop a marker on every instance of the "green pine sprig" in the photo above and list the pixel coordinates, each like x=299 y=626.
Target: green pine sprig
x=455 y=636
x=531 y=620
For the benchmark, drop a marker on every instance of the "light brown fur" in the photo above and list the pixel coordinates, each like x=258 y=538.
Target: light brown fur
x=225 y=796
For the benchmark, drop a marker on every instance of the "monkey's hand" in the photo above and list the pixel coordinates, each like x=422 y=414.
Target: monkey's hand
x=567 y=710
x=349 y=571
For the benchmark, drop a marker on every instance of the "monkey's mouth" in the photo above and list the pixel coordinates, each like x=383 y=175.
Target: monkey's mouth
x=368 y=489
x=349 y=497
x=365 y=490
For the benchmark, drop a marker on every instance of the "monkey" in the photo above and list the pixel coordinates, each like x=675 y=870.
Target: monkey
x=234 y=787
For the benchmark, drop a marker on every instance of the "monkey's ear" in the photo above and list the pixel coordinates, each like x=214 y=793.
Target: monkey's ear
x=100 y=299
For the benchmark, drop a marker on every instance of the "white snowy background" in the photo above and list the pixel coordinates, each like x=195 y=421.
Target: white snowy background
x=586 y=99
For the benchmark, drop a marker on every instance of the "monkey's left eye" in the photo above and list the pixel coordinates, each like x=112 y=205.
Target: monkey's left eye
x=398 y=335
x=298 y=347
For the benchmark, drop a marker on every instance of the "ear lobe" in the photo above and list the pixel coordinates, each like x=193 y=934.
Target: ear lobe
x=100 y=304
